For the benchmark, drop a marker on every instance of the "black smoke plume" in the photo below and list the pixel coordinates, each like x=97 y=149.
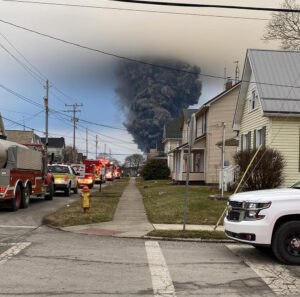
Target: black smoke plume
x=150 y=96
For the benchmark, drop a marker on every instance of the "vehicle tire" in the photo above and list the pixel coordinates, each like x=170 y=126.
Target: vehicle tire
x=286 y=243
x=68 y=190
x=50 y=195
x=16 y=201
x=25 y=197
x=75 y=190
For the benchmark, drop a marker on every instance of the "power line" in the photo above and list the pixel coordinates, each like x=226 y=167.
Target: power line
x=169 y=68
x=136 y=10
x=195 y=5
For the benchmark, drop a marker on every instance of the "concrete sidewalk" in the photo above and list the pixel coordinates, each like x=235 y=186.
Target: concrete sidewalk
x=130 y=219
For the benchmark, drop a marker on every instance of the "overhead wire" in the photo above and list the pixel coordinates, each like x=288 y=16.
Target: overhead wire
x=135 y=10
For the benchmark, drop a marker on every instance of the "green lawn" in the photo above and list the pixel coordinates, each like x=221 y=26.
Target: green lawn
x=188 y=234
x=164 y=203
x=103 y=206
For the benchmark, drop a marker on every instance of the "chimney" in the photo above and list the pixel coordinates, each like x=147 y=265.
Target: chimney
x=228 y=84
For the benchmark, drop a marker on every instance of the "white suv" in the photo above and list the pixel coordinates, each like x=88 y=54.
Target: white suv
x=267 y=218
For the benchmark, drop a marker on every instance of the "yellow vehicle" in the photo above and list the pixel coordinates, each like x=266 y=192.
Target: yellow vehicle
x=64 y=178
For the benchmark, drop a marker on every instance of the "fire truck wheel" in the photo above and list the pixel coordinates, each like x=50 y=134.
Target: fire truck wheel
x=16 y=201
x=25 y=197
x=49 y=196
x=68 y=190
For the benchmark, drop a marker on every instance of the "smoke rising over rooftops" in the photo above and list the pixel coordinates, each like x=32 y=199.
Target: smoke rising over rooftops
x=150 y=96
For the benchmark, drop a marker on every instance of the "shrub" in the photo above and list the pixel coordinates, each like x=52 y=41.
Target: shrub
x=266 y=172
x=156 y=169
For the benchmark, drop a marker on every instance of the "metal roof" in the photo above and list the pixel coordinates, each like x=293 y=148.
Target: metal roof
x=277 y=76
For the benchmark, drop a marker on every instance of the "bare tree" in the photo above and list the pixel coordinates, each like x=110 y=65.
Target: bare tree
x=134 y=162
x=285 y=26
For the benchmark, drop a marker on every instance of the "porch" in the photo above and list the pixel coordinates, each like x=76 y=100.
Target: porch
x=197 y=170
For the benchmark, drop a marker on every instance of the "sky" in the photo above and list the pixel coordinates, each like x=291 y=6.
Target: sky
x=85 y=77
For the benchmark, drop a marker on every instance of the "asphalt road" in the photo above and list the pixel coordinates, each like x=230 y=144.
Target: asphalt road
x=39 y=261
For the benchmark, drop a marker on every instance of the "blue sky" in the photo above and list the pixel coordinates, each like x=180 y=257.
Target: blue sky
x=88 y=77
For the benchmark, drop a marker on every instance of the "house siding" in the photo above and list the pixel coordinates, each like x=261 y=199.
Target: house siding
x=286 y=140
x=219 y=111
x=253 y=120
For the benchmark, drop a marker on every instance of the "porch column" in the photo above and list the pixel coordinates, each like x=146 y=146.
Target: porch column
x=181 y=164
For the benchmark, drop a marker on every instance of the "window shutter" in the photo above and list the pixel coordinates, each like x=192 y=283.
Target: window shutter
x=254 y=139
x=263 y=136
x=249 y=140
x=242 y=142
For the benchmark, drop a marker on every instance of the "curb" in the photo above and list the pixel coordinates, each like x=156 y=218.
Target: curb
x=151 y=237
x=190 y=239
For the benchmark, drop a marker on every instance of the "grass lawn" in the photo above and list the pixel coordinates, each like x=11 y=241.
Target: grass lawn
x=164 y=203
x=103 y=206
x=188 y=234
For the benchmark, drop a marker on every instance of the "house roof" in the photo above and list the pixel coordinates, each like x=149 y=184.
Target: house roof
x=186 y=115
x=276 y=74
x=56 y=142
x=21 y=136
x=172 y=129
x=206 y=105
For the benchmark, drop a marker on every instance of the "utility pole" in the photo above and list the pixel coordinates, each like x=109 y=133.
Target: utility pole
x=104 y=150
x=223 y=157
x=74 y=119
x=87 y=144
x=96 y=146
x=237 y=72
x=191 y=131
x=46 y=103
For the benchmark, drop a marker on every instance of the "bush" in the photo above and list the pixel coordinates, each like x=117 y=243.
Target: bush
x=266 y=172
x=156 y=169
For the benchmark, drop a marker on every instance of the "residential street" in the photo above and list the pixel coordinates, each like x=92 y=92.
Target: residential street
x=39 y=261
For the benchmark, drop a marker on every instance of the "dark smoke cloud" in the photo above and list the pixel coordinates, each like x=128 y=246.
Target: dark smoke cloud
x=150 y=96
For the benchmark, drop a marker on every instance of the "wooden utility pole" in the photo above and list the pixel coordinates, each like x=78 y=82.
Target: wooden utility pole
x=46 y=103
x=74 y=119
x=87 y=144
x=96 y=146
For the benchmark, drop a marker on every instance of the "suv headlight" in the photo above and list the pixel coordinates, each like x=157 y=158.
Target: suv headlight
x=253 y=209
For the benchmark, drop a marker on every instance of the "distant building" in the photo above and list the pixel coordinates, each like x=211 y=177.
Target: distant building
x=21 y=136
x=56 y=148
x=157 y=152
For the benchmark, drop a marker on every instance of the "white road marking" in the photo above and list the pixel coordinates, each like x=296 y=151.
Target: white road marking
x=161 y=279
x=276 y=276
x=13 y=251
x=18 y=227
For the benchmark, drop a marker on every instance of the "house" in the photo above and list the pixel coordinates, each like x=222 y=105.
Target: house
x=171 y=139
x=56 y=148
x=268 y=107
x=210 y=120
x=157 y=152
x=22 y=136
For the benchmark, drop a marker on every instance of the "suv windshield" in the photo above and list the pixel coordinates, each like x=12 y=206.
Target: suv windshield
x=58 y=169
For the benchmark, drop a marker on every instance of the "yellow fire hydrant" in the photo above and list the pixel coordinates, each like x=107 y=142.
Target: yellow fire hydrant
x=85 y=199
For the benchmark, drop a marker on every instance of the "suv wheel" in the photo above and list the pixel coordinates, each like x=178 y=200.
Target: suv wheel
x=68 y=190
x=286 y=243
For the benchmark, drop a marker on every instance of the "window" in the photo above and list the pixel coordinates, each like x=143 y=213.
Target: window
x=246 y=141
x=204 y=123
x=259 y=137
x=253 y=102
x=199 y=162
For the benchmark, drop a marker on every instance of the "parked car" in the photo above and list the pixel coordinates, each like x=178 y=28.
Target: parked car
x=109 y=176
x=64 y=178
x=267 y=218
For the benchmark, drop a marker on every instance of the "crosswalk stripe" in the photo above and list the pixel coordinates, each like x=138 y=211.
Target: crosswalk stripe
x=161 y=279
x=13 y=251
x=18 y=227
x=276 y=276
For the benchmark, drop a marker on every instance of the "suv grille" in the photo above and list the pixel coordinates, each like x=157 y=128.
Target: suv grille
x=237 y=212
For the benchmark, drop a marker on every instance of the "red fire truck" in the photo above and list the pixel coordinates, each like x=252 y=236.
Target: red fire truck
x=23 y=175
